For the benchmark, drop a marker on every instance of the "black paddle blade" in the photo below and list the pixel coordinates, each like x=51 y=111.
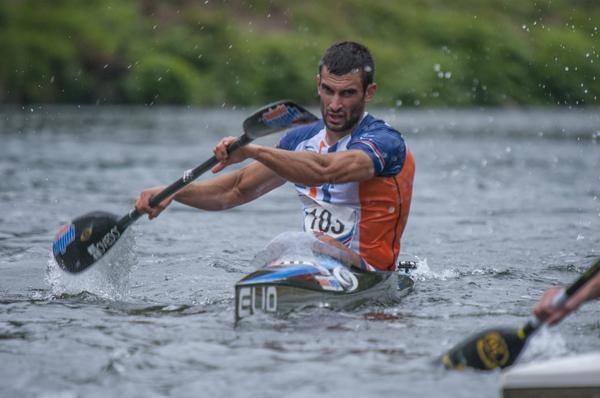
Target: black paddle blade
x=487 y=350
x=85 y=240
x=275 y=117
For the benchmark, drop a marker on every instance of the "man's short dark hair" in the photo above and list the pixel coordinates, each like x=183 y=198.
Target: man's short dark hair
x=348 y=56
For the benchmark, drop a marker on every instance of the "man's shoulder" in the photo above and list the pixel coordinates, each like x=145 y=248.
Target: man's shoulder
x=382 y=143
x=377 y=130
x=296 y=135
x=371 y=124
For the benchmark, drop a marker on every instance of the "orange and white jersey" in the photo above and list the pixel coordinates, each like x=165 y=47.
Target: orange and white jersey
x=369 y=216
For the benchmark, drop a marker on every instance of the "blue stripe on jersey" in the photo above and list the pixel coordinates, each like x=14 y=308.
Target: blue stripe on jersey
x=326 y=193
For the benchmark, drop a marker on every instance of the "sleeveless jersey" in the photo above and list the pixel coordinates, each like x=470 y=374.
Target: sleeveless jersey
x=368 y=216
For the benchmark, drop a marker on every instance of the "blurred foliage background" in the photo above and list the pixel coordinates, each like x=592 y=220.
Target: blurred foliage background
x=245 y=52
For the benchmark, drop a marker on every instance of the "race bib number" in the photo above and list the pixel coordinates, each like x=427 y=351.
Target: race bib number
x=333 y=220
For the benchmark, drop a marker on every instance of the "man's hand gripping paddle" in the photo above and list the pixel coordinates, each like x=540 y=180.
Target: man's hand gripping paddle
x=83 y=241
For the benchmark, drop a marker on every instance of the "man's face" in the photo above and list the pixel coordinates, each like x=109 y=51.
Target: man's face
x=343 y=99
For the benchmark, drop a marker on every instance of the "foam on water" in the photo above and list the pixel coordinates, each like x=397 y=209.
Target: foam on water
x=424 y=272
x=545 y=344
x=108 y=278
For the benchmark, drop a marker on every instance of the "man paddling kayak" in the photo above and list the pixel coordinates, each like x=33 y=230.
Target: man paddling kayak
x=352 y=171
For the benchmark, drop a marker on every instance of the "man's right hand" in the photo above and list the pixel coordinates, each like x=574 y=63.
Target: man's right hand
x=142 y=204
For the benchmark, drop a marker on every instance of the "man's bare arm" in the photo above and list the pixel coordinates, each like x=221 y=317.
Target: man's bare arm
x=311 y=169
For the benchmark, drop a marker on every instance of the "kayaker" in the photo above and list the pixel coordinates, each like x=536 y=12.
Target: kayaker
x=352 y=171
x=546 y=312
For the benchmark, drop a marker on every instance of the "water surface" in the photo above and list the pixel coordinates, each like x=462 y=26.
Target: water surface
x=506 y=203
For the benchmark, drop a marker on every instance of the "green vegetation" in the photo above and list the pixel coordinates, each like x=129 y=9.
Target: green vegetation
x=247 y=52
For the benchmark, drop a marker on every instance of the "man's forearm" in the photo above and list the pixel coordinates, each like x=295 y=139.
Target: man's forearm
x=311 y=169
x=230 y=189
x=214 y=194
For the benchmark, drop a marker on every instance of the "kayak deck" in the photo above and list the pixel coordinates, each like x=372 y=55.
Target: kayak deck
x=285 y=286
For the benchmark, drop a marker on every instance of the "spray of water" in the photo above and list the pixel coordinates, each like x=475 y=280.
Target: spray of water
x=546 y=344
x=108 y=278
x=423 y=272
x=295 y=246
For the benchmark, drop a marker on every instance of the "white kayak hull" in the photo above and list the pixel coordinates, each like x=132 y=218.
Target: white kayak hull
x=575 y=376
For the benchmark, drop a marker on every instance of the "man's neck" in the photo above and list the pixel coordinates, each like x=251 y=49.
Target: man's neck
x=331 y=137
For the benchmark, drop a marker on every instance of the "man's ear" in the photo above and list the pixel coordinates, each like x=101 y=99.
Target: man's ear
x=318 y=84
x=370 y=92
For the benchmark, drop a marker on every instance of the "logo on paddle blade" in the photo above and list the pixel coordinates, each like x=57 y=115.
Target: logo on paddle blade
x=64 y=236
x=281 y=116
x=98 y=249
x=86 y=234
x=492 y=350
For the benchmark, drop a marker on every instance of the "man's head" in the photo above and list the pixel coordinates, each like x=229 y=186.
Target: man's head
x=349 y=57
x=345 y=84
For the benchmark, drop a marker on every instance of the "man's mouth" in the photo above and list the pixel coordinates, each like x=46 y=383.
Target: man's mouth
x=336 y=118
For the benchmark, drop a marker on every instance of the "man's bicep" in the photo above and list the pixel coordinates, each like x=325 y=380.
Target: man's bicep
x=352 y=165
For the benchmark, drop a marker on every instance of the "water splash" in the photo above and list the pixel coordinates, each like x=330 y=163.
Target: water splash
x=423 y=272
x=295 y=246
x=108 y=278
x=544 y=345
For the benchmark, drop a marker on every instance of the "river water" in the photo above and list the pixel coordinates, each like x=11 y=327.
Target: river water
x=506 y=203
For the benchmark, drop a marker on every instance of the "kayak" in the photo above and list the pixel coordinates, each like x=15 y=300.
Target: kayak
x=289 y=281
x=573 y=376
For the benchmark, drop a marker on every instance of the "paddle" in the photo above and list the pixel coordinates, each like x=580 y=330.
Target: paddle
x=499 y=348
x=80 y=243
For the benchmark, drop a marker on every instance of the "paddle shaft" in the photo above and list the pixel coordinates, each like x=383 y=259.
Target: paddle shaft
x=188 y=177
x=560 y=300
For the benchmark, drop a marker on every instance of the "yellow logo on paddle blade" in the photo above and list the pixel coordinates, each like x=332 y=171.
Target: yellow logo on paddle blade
x=492 y=350
x=86 y=234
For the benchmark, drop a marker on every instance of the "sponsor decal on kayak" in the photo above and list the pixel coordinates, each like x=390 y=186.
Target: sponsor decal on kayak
x=329 y=283
x=281 y=116
x=285 y=263
x=284 y=273
x=346 y=278
x=64 y=236
x=253 y=299
x=98 y=249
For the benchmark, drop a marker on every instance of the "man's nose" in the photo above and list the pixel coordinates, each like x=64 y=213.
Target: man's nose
x=336 y=103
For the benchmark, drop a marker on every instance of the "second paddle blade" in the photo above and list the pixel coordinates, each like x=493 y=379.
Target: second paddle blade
x=85 y=240
x=487 y=350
